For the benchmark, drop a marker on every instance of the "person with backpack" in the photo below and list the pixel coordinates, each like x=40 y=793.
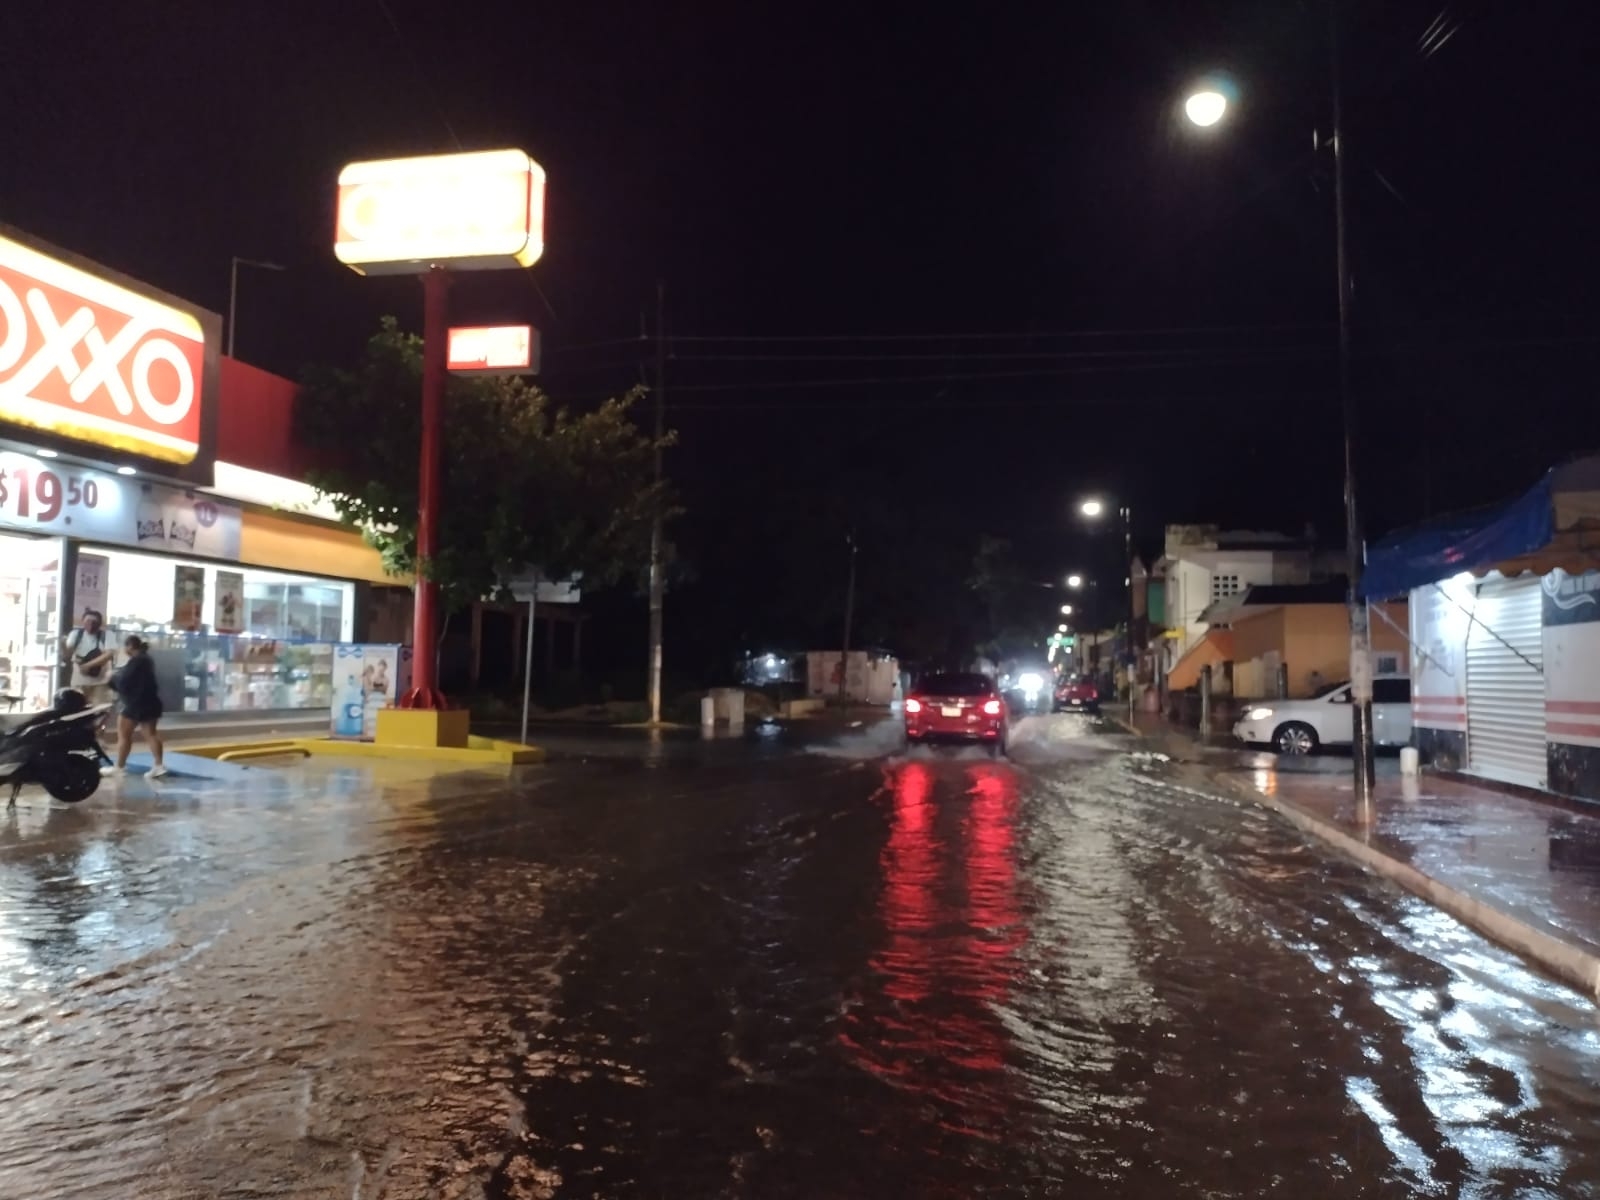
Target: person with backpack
x=89 y=656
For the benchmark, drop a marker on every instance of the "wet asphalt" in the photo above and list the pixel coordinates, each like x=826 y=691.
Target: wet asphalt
x=756 y=967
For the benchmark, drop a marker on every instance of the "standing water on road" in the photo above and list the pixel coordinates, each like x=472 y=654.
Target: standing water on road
x=725 y=971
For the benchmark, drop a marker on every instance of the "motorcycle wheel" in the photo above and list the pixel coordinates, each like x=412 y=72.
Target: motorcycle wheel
x=69 y=779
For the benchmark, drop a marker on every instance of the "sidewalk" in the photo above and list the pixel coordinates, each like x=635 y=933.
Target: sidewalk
x=1523 y=873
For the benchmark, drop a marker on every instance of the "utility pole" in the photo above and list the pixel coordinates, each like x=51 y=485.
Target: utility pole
x=849 y=616
x=1363 y=753
x=1133 y=651
x=657 y=582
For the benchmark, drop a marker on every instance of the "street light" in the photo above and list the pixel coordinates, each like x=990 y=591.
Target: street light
x=1066 y=610
x=1061 y=628
x=1074 y=581
x=1360 y=628
x=1092 y=508
x=1206 y=107
x=233 y=289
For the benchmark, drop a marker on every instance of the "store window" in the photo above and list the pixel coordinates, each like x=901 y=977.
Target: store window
x=229 y=638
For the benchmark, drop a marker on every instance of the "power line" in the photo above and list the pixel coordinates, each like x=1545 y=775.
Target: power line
x=971 y=376
x=1007 y=335
x=637 y=340
x=1013 y=355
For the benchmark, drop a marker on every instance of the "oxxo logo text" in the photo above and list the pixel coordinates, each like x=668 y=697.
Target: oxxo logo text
x=90 y=360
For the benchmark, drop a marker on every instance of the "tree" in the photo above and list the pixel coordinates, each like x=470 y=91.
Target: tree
x=1010 y=602
x=525 y=482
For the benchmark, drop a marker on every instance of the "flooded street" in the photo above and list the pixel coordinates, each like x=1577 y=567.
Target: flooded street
x=741 y=969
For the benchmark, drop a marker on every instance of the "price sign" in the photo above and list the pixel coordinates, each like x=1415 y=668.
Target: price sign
x=43 y=497
x=41 y=494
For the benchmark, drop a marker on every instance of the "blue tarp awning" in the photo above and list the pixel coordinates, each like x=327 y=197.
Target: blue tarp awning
x=1484 y=539
x=1428 y=553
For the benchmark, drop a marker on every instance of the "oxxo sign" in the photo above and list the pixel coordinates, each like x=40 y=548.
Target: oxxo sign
x=493 y=350
x=84 y=358
x=476 y=211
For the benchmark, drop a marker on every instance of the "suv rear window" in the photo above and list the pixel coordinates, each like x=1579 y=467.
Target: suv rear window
x=956 y=685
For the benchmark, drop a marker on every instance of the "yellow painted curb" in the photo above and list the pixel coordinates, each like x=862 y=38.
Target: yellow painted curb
x=479 y=751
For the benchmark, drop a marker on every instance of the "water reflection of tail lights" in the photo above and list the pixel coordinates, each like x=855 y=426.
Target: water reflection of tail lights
x=991 y=870
x=950 y=933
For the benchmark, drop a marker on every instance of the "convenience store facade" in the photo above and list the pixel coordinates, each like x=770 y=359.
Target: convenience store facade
x=119 y=493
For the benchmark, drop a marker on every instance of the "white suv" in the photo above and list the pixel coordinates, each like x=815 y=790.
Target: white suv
x=1302 y=726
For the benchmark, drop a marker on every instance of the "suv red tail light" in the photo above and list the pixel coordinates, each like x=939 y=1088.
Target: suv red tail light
x=913 y=705
x=991 y=708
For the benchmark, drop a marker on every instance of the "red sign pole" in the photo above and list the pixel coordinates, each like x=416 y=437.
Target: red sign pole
x=424 y=691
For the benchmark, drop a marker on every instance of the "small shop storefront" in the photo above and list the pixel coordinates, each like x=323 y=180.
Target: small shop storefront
x=1505 y=634
x=113 y=498
x=234 y=603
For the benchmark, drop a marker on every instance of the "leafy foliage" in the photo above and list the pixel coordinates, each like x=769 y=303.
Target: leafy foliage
x=525 y=482
x=1011 y=603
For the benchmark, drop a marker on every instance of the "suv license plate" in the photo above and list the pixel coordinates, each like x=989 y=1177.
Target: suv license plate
x=947 y=711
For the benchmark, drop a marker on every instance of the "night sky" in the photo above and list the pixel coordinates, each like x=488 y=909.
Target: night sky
x=842 y=198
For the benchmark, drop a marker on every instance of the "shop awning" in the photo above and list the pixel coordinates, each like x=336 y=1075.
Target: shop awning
x=1554 y=524
x=1214 y=649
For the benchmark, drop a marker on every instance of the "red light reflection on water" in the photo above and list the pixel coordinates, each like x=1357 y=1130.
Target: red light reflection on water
x=951 y=928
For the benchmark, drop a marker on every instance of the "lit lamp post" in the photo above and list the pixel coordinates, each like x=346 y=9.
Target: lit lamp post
x=1094 y=509
x=1205 y=108
x=427 y=217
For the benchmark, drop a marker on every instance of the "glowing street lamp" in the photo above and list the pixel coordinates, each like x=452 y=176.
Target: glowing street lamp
x=1074 y=581
x=1061 y=628
x=1092 y=508
x=1066 y=610
x=1206 y=107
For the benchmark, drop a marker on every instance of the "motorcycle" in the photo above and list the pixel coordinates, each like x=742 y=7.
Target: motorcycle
x=58 y=749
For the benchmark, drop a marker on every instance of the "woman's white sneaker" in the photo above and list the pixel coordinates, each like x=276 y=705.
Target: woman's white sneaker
x=158 y=772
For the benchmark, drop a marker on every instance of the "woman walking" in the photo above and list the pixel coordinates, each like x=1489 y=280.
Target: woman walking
x=135 y=685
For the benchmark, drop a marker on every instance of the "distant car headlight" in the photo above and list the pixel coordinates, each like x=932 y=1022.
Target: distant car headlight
x=1257 y=714
x=1030 y=681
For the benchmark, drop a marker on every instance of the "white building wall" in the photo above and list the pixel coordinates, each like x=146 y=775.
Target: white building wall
x=1190 y=580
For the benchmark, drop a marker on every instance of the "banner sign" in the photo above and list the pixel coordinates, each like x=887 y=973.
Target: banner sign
x=228 y=614
x=188 y=598
x=38 y=496
x=92 y=587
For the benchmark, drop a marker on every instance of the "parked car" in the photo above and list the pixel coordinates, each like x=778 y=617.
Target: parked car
x=1325 y=719
x=957 y=707
x=1077 y=693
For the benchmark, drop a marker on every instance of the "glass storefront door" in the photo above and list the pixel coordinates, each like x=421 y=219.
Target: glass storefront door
x=29 y=640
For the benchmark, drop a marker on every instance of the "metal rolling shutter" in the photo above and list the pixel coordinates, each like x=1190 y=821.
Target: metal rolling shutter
x=1505 y=684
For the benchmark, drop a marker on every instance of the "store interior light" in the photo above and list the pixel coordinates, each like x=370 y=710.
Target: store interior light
x=126 y=471
x=47 y=454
